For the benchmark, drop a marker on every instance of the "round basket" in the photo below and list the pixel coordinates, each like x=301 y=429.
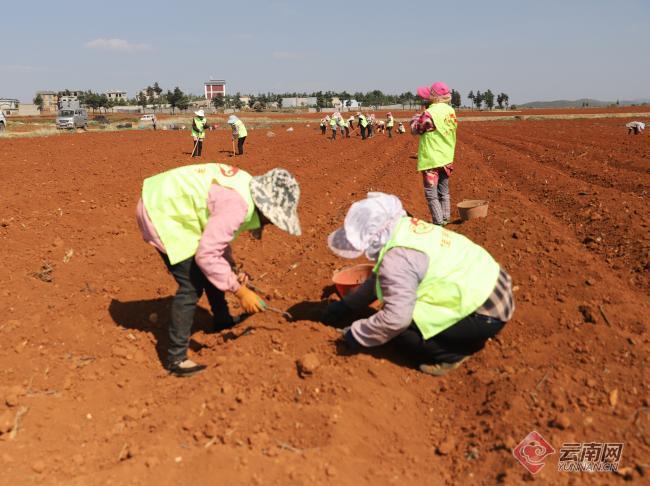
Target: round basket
x=472 y=208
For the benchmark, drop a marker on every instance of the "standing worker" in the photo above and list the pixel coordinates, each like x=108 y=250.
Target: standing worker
x=371 y=123
x=442 y=295
x=363 y=124
x=239 y=132
x=437 y=130
x=323 y=125
x=198 y=132
x=390 y=121
x=191 y=215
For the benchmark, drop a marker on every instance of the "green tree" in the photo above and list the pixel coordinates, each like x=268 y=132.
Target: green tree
x=471 y=96
x=478 y=99
x=488 y=99
x=142 y=101
x=455 y=99
x=177 y=99
x=218 y=101
x=38 y=101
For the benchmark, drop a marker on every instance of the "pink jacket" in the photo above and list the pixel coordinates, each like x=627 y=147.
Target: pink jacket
x=214 y=256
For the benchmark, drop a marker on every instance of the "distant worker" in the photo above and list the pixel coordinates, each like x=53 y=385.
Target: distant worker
x=390 y=121
x=343 y=127
x=442 y=295
x=323 y=125
x=153 y=121
x=400 y=128
x=363 y=124
x=191 y=215
x=437 y=130
x=239 y=132
x=199 y=124
x=635 y=127
x=371 y=125
x=351 y=122
x=333 y=127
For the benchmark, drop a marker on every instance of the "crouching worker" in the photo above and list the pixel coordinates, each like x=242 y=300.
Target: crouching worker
x=443 y=296
x=191 y=215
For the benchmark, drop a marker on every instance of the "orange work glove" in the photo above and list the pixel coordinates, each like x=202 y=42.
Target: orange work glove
x=249 y=300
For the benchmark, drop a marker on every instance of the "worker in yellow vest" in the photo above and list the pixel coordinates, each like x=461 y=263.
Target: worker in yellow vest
x=437 y=130
x=343 y=127
x=239 y=132
x=363 y=124
x=333 y=124
x=443 y=296
x=191 y=215
x=390 y=122
x=199 y=124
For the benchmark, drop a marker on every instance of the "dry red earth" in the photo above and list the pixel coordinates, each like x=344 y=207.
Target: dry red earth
x=84 y=398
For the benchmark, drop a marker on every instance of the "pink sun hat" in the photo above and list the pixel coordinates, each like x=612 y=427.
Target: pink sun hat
x=436 y=89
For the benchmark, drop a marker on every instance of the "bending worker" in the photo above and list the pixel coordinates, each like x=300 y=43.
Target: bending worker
x=239 y=133
x=199 y=124
x=363 y=124
x=443 y=296
x=191 y=214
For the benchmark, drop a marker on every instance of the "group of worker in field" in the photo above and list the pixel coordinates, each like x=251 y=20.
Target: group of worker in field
x=442 y=296
x=200 y=125
x=367 y=126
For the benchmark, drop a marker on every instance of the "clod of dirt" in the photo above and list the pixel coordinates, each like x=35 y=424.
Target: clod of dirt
x=6 y=422
x=38 y=467
x=561 y=422
x=587 y=314
x=445 y=447
x=45 y=273
x=307 y=365
x=613 y=397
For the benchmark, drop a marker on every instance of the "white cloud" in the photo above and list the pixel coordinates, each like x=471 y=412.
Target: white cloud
x=118 y=45
x=285 y=55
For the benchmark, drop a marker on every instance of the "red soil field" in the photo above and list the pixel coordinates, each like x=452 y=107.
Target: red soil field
x=83 y=395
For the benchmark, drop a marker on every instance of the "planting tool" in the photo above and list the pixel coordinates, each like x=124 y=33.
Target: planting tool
x=267 y=307
x=195 y=145
x=233 y=147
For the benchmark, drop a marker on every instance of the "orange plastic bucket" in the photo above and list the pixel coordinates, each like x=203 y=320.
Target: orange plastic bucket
x=349 y=278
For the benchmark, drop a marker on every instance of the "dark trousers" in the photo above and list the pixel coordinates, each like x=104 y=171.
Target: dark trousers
x=191 y=285
x=334 y=134
x=390 y=132
x=369 y=131
x=240 y=146
x=363 y=132
x=323 y=129
x=347 y=132
x=463 y=339
x=198 y=147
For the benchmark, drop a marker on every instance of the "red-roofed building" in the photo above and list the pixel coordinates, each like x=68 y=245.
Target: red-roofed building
x=214 y=87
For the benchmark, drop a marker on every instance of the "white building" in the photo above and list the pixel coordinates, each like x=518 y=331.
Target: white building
x=116 y=95
x=298 y=102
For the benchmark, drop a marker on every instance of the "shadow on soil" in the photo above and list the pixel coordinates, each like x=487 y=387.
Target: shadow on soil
x=135 y=315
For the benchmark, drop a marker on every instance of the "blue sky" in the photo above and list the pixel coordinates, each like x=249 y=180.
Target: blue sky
x=529 y=49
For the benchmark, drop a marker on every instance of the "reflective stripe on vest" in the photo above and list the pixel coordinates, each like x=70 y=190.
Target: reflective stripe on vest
x=363 y=121
x=177 y=204
x=200 y=124
x=460 y=278
x=241 y=129
x=437 y=148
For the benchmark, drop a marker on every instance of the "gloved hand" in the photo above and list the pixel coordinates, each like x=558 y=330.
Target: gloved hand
x=335 y=313
x=250 y=301
x=348 y=340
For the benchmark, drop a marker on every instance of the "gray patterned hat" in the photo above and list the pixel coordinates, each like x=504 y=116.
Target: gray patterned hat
x=276 y=194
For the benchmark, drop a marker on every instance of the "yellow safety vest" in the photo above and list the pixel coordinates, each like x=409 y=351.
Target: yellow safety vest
x=437 y=148
x=200 y=124
x=460 y=278
x=177 y=204
x=241 y=129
